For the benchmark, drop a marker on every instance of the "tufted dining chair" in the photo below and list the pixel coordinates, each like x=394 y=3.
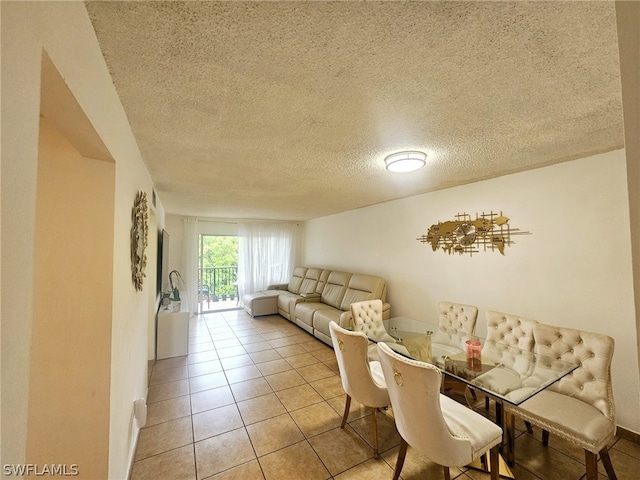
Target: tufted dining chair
x=362 y=380
x=456 y=324
x=579 y=407
x=440 y=428
x=367 y=318
x=457 y=316
x=509 y=342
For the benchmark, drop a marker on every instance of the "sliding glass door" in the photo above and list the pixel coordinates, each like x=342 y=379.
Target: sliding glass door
x=217 y=272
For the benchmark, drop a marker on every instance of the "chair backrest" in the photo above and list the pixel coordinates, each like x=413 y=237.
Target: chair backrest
x=367 y=316
x=591 y=381
x=414 y=390
x=459 y=317
x=510 y=330
x=355 y=371
x=456 y=324
x=510 y=341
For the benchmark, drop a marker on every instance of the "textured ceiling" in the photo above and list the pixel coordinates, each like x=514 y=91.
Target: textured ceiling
x=286 y=110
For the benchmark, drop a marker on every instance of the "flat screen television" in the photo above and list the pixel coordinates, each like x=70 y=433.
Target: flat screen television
x=162 y=281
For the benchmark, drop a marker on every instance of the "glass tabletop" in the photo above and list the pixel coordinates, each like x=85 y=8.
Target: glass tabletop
x=500 y=370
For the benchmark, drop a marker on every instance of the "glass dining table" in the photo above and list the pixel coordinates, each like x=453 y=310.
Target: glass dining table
x=502 y=372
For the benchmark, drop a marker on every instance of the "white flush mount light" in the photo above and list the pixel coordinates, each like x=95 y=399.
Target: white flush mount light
x=405 y=161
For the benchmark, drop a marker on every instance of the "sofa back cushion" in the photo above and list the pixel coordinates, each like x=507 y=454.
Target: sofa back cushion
x=335 y=288
x=296 y=279
x=310 y=280
x=322 y=281
x=363 y=287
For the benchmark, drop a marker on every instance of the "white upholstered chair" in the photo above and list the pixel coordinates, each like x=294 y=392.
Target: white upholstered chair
x=457 y=316
x=456 y=324
x=509 y=342
x=579 y=407
x=367 y=318
x=442 y=429
x=362 y=380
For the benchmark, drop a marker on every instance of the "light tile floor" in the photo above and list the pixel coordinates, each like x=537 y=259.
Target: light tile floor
x=262 y=399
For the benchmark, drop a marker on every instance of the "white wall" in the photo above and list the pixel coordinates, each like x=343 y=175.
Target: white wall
x=573 y=270
x=175 y=228
x=64 y=31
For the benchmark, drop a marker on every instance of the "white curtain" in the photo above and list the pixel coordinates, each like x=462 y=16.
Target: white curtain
x=190 y=262
x=266 y=254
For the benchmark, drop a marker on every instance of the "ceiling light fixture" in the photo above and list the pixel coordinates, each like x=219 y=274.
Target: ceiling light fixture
x=405 y=161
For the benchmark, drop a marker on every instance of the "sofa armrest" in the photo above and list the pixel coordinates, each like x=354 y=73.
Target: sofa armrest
x=310 y=297
x=346 y=320
x=386 y=311
x=280 y=286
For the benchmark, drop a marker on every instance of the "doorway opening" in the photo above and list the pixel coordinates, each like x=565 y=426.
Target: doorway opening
x=217 y=273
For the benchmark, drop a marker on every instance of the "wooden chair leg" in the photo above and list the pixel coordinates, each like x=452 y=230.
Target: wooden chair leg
x=591 y=459
x=545 y=437
x=375 y=431
x=474 y=395
x=447 y=474
x=606 y=462
x=347 y=405
x=499 y=414
x=510 y=432
x=494 y=462
x=529 y=427
x=400 y=462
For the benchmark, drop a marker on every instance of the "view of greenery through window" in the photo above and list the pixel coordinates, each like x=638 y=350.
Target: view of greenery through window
x=219 y=251
x=219 y=265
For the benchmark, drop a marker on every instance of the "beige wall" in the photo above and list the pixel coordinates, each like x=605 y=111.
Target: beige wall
x=68 y=416
x=573 y=270
x=63 y=31
x=628 y=20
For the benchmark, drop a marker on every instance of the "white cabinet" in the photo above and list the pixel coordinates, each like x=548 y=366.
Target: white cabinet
x=172 y=338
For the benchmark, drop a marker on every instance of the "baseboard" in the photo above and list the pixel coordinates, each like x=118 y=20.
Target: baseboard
x=136 y=437
x=132 y=456
x=628 y=435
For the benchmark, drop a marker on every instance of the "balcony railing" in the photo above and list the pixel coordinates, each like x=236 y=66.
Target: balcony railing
x=217 y=283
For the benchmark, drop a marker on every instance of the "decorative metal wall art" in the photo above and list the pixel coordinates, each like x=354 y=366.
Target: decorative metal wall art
x=139 y=234
x=489 y=231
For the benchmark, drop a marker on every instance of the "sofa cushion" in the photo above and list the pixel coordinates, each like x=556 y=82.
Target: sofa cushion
x=287 y=303
x=310 y=280
x=305 y=311
x=308 y=284
x=261 y=303
x=296 y=279
x=322 y=317
x=363 y=287
x=335 y=288
x=322 y=281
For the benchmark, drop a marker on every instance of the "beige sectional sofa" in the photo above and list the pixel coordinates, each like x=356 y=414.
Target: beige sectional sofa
x=314 y=297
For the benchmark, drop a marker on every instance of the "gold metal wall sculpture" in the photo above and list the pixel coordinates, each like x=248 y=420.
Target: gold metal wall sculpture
x=139 y=234
x=489 y=231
